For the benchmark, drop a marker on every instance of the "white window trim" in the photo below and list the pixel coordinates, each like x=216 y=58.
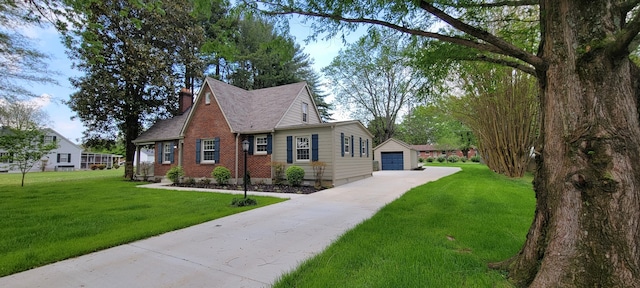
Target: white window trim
x=255 y=147
x=305 y=112
x=166 y=150
x=346 y=144
x=64 y=157
x=202 y=150
x=296 y=148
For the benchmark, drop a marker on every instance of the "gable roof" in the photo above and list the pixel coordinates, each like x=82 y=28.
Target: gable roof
x=402 y=143
x=167 y=129
x=252 y=111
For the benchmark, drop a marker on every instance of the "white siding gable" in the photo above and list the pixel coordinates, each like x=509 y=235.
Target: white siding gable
x=293 y=116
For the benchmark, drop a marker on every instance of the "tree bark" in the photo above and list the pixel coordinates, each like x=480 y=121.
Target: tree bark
x=585 y=231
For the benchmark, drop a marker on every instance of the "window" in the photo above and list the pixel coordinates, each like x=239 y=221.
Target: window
x=64 y=158
x=261 y=144
x=49 y=139
x=346 y=144
x=207 y=98
x=363 y=148
x=166 y=152
x=208 y=150
x=302 y=148
x=305 y=111
x=5 y=157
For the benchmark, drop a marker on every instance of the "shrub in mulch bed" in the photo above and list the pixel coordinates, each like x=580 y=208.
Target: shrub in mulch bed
x=254 y=187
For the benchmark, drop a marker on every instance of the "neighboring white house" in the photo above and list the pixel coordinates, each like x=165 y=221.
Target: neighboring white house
x=394 y=154
x=65 y=157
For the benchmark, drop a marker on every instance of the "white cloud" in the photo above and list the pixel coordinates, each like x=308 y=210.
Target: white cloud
x=43 y=101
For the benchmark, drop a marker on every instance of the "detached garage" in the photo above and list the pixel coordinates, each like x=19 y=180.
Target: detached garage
x=394 y=154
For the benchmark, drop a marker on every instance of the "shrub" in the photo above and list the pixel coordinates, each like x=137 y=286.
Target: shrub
x=205 y=181
x=175 y=173
x=94 y=166
x=420 y=160
x=453 y=159
x=221 y=174
x=475 y=159
x=318 y=171
x=116 y=166
x=442 y=159
x=278 y=172
x=190 y=181
x=463 y=159
x=295 y=175
x=239 y=202
x=102 y=166
x=430 y=159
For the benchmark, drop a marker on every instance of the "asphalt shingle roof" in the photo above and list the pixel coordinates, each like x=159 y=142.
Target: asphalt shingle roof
x=168 y=129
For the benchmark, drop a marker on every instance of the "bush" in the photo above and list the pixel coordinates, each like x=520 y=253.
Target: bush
x=116 y=166
x=453 y=159
x=221 y=174
x=239 y=202
x=102 y=166
x=430 y=159
x=205 y=181
x=295 y=175
x=190 y=181
x=442 y=159
x=278 y=172
x=94 y=166
x=175 y=173
x=475 y=159
x=420 y=160
x=463 y=159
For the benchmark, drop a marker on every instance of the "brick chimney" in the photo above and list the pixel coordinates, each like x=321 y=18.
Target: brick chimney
x=185 y=100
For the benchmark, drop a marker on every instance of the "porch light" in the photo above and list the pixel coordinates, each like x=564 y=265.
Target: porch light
x=245 y=145
x=245 y=148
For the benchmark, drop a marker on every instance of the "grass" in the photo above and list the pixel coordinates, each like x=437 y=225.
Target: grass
x=441 y=234
x=58 y=215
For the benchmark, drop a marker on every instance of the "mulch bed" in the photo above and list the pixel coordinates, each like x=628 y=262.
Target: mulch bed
x=255 y=187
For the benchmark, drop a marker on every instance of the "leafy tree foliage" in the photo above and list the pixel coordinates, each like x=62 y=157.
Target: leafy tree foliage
x=133 y=59
x=579 y=51
x=24 y=148
x=373 y=81
x=22 y=115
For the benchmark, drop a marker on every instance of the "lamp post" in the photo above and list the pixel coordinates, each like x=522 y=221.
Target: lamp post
x=245 y=148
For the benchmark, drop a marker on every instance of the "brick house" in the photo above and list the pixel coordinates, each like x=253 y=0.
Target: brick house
x=426 y=151
x=282 y=124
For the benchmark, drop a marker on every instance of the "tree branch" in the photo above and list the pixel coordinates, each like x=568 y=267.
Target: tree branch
x=526 y=69
x=627 y=37
x=502 y=4
x=507 y=48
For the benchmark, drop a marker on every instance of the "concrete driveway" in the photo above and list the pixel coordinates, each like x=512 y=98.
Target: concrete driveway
x=249 y=249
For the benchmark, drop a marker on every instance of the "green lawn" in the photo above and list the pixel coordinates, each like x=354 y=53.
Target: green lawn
x=441 y=234
x=58 y=215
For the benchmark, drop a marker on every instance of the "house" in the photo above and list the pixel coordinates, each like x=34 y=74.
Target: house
x=394 y=154
x=282 y=125
x=428 y=150
x=64 y=158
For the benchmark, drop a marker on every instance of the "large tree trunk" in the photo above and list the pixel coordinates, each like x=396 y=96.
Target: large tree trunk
x=585 y=231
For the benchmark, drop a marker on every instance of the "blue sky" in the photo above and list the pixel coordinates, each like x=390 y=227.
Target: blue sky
x=53 y=96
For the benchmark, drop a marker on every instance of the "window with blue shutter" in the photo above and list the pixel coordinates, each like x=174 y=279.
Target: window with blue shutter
x=69 y=158
x=198 y=151
x=160 y=153
x=352 y=146
x=172 y=148
x=367 y=148
x=342 y=144
x=269 y=144
x=314 y=147
x=289 y=149
x=250 y=139
x=360 y=146
x=216 y=152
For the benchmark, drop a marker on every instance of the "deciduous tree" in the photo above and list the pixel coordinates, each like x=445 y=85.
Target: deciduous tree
x=586 y=231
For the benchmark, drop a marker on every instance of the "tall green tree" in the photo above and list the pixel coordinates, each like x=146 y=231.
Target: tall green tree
x=584 y=232
x=371 y=79
x=134 y=61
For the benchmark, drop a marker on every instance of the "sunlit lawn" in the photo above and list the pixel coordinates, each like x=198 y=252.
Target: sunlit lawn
x=58 y=215
x=441 y=234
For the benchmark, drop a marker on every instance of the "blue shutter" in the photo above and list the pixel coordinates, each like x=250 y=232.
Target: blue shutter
x=173 y=147
x=367 y=148
x=250 y=138
x=54 y=138
x=289 y=149
x=352 y=145
x=360 y=146
x=58 y=157
x=342 y=144
x=216 y=147
x=269 y=144
x=314 y=147
x=198 y=151
x=69 y=158
x=160 y=153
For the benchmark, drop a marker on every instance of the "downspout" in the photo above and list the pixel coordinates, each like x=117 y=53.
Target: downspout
x=237 y=139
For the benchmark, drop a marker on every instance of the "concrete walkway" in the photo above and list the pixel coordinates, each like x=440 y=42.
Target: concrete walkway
x=249 y=249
